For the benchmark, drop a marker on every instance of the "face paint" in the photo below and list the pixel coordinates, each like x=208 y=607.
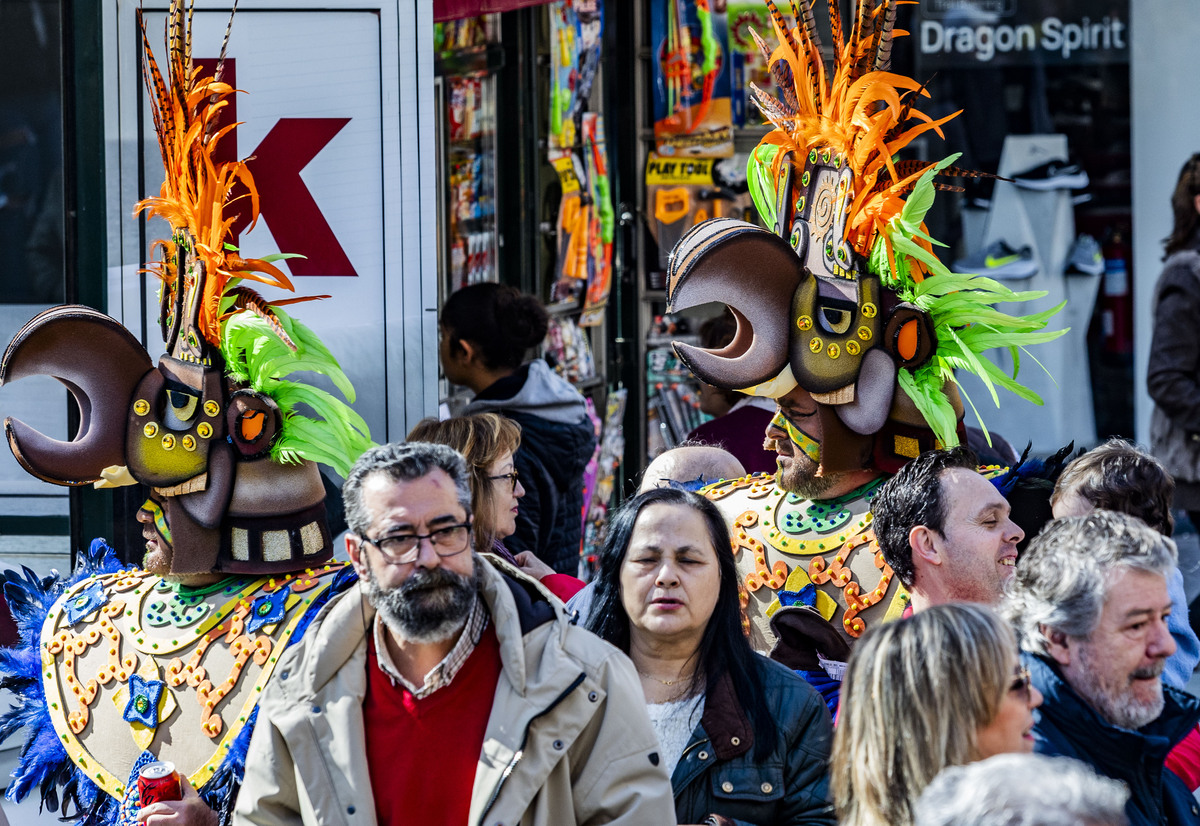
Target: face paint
x=801 y=440
x=160 y=518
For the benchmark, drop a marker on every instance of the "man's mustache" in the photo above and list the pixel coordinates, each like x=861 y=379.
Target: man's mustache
x=1149 y=672
x=428 y=579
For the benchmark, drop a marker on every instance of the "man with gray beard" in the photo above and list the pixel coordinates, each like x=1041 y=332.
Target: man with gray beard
x=447 y=688
x=1090 y=602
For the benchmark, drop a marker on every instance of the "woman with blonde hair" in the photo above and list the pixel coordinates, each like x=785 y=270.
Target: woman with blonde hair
x=942 y=688
x=488 y=441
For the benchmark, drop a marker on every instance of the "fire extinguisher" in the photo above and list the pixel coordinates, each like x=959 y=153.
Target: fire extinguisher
x=1116 y=300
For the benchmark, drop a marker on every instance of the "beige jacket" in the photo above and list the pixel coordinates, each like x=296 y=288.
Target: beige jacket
x=568 y=740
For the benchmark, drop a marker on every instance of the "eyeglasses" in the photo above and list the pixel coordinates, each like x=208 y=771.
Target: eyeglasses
x=403 y=548
x=1021 y=682
x=511 y=477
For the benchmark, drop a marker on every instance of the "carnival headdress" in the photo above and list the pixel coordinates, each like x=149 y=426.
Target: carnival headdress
x=844 y=294
x=220 y=429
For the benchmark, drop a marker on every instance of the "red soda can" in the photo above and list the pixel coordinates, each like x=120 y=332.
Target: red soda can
x=158 y=781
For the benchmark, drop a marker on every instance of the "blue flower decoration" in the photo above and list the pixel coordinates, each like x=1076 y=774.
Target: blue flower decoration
x=267 y=609
x=144 y=696
x=805 y=596
x=85 y=602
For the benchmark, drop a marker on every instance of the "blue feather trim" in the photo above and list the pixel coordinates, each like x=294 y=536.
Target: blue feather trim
x=44 y=762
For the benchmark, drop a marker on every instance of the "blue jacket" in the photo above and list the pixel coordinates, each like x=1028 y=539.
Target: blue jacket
x=557 y=442
x=718 y=772
x=1068 y=726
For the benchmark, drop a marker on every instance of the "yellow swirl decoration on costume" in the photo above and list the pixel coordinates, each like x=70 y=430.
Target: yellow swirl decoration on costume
x=94 y=659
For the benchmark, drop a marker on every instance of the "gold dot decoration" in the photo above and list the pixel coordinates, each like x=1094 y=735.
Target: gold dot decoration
x=804 y=323
x=816 y=345
x=211 y=408
x=141 y=407
x=189 y=441
x=852 y=347
x=870 y=310
x=151 y=430
x=834 y=351
x=864 y=333
x=204 y=430
x=168 y=441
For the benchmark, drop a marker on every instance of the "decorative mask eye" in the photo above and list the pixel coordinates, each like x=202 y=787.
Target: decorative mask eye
x=180 y=408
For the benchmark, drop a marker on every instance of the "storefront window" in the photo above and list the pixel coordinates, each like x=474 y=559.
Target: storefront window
x=32 y=264
x=1044 y=93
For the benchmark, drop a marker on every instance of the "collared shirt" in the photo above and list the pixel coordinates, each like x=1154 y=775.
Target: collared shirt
x=442 y=673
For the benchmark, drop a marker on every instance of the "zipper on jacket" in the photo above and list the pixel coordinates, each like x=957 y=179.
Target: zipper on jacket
x=516 y=758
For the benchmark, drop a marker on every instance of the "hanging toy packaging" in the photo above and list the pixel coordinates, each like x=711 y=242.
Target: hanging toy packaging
x=601 y=224
x=692 y=108
x=683 y=192
x=746 y=61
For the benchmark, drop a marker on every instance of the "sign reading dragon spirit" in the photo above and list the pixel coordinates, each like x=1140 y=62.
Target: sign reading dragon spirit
x=966 y=33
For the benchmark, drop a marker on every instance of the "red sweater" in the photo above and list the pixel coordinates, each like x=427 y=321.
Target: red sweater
x=422 y=753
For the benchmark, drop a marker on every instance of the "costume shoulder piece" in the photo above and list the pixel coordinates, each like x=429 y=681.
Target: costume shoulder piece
x=842 y=293
x=121 y=666
x=819 y=554
x=124 y=668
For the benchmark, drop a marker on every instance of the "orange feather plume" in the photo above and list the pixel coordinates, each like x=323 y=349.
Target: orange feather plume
x=860 y=110
x=185 y=106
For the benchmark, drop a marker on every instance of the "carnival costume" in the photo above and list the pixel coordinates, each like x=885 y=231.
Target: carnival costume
x=119 y=667
x=843 y=296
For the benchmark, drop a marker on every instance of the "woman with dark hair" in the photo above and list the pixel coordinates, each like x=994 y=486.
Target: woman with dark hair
x=1173 y=375
x=744 y=739
x=486 y=330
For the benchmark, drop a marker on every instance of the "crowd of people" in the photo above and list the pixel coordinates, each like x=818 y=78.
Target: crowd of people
x=880 y=629
x=643 y=701
x=464 y=679
x=652 y=707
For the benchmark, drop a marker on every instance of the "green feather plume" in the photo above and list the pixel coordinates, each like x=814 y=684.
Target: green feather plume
x=965 y=318
x=762 y=181
x=256 y=356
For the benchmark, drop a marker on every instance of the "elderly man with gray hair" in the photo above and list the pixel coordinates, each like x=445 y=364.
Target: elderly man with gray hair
x=1090 y=604
x=1022 y=790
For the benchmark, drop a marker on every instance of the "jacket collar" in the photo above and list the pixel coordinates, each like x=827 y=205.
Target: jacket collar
x=1064 y=709
x=516 y=604
x=725 y=721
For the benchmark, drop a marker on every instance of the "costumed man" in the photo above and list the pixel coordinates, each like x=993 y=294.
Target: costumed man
x=848 y=319
x=121 y=666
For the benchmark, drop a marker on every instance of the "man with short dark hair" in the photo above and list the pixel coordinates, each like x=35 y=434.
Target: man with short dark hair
x=1090 y=603
x=447 y=689
x=946 y=530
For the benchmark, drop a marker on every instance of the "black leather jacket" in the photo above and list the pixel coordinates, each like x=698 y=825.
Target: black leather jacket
x=718 y=772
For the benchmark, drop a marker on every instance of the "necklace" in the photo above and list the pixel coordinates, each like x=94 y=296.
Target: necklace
x=667 y=683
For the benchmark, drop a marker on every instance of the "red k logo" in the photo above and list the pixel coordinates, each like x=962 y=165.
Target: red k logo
x=285 y=203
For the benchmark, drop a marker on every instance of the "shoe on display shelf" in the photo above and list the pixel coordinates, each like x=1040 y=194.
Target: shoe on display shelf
x=1056 y=174
x=999 y=260
x=1086 y=257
